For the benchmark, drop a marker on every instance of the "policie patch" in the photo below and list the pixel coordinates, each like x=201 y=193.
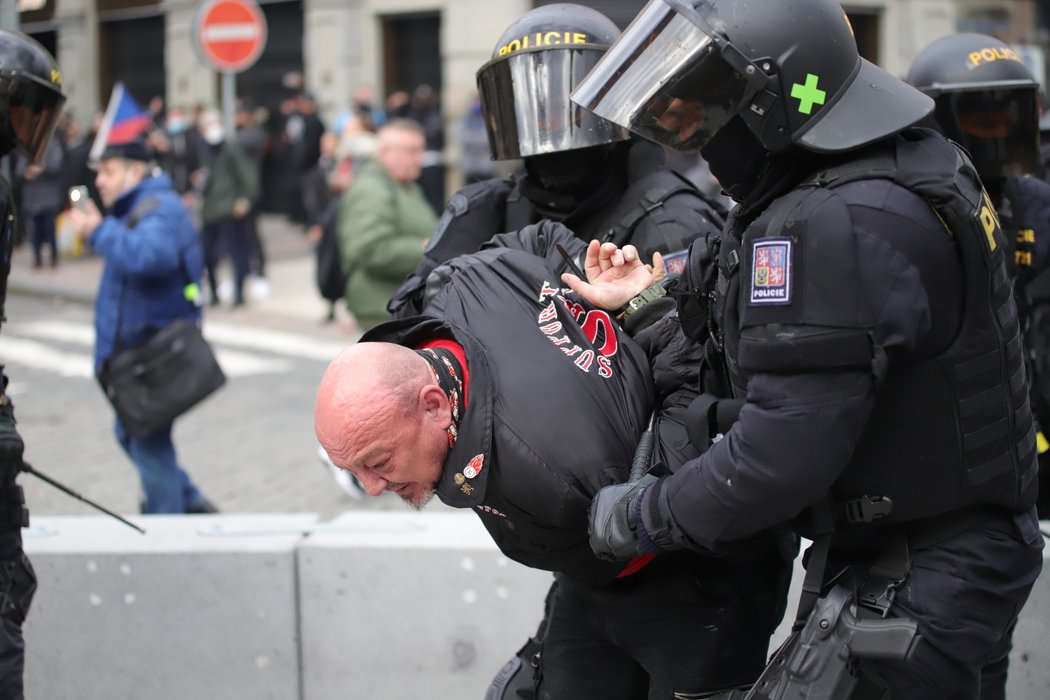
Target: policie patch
x=771 y=271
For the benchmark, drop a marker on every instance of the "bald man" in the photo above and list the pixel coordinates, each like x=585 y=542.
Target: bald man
x=399 y=414
x=515 y=400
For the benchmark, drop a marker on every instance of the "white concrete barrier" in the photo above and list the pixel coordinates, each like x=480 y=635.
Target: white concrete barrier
x=200 y=607
x=400 y=606
x=387 y=605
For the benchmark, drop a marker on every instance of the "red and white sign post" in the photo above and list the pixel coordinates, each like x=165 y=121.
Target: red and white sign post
x=229 y=36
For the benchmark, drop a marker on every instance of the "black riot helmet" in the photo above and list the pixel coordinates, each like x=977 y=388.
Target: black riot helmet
x=535 y=66
x=985 y=100
x=31 y=96
x=789 y=68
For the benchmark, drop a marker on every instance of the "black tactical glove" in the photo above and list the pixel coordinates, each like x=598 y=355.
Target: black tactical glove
x=11 y=445
x=614 y=521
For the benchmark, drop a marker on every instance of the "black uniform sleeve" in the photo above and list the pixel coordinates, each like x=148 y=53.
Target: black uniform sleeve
x=797 y=430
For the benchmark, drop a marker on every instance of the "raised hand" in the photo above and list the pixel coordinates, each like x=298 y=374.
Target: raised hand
x=614 y=275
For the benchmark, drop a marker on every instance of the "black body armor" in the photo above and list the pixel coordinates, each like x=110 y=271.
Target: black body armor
x=946 y=432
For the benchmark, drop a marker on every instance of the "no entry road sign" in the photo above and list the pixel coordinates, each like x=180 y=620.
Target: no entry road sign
x=230 y=35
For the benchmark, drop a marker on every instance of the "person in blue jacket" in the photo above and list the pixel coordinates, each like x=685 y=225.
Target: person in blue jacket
x=152 y=267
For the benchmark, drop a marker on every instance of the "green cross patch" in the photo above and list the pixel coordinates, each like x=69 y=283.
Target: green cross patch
x=808 y=94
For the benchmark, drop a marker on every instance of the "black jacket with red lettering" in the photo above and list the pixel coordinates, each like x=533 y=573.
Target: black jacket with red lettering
x=557 y=398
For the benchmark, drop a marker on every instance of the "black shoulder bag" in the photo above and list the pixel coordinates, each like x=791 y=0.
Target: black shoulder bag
x=151 y=384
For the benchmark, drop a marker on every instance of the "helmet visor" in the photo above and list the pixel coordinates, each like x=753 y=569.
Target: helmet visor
x=525 y=101
x=1000 y=128
x=668 y=79
x=33 y=111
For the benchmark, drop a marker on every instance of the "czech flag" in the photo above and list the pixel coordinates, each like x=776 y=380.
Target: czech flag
x=124 y=121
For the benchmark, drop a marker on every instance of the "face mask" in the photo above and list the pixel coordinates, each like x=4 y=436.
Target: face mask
x=569 y=171
x=213 y=134
x=737 y=158
x=176 y=126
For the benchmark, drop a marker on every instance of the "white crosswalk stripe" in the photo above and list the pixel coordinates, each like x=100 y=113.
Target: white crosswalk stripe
x=26 y=344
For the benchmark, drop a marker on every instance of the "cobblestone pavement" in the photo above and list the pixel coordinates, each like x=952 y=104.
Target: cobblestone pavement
x=250 y=447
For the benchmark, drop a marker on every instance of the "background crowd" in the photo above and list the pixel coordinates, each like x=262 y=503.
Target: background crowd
x=299 y=165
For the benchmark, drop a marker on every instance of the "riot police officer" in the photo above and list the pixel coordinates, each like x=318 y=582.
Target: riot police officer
x=31 y=101
x=580 y=170
x=864 y=318
x=986 y=101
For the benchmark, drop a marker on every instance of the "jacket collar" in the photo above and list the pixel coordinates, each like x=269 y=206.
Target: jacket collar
x=464 y=478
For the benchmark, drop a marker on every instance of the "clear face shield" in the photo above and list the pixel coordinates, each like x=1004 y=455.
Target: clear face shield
x=525 y=102
x=671 y=78
x=33 y=111
x=999 y=128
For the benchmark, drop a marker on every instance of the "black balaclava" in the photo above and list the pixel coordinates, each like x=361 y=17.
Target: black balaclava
x=737 y=159
x=562 y=184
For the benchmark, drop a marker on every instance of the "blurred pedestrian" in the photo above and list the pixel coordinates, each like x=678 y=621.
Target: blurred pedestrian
x=384 y=221
x=42 y=200
x=76 y=171
x=228 y=185
x=317 y=190
x=425 y=109
x=179 y=152
x=362 y=104
x=252 y=137
x=152 y=264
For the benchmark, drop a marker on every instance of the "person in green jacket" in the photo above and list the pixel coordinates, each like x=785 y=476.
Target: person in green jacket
x=228 y=187
x=384 y=222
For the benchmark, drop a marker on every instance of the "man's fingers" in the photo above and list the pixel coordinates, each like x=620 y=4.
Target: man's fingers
x=659 y=269
x=590 y=261
x=584 y=289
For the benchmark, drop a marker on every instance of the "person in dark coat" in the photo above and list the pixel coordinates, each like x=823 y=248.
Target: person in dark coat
x=229 y=184
x=42 y=199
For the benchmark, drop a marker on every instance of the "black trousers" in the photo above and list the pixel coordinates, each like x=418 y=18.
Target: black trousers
x=226 y=237
x=17 y=585
x=682 y=626
x=965 y=593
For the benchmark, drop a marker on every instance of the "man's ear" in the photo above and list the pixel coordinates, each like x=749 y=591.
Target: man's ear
x=435 y=405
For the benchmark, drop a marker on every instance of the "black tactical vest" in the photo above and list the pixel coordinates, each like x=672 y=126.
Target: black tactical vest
x=945 y=433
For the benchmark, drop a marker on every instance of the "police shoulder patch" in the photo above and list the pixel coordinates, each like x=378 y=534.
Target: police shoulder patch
x=771 y=271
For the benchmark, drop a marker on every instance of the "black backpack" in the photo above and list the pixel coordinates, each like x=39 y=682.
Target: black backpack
x=331 y=277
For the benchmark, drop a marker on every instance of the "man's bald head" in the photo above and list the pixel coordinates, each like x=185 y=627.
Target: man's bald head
x=380 y=414
x=366 y=378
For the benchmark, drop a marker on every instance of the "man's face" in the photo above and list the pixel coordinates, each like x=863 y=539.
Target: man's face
x=683 y=118
x=401 y=154
x=116 y=176
x=394 y=450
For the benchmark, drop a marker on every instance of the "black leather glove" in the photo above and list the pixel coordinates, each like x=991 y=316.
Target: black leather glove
x=613 y=524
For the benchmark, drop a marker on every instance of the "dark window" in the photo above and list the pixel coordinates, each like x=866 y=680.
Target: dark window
x=132 y=51
x=411 y=52
x=265 y=82
x=866 y=30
